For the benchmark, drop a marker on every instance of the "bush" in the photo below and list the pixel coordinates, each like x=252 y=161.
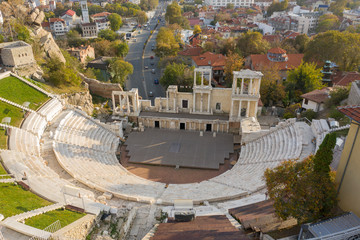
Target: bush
x=337 y=96
x=334 y=113
x=309 y=114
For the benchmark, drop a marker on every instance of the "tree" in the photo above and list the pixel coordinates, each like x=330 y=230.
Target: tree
x=115 y=21
x=61 y=74
x=108 y=34
x=304 y=78
x=173 y=15
x=209 y=46
x=122 y=49
x=197 y=29
x=141 y=17
x=338 y=95
x=277 y=7
x=300 y=42
x=234 y=62
x=337 y=7
x=271 y=91
x=166 y=44
x=304 y=190
x=119 y=70
x=343 y=48
x=22 y=32
x=252 y=43
x=74 y=38
x=328 y=22
x=177 y=74
x=230 y=6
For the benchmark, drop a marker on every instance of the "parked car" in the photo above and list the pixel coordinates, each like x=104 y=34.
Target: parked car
x=156 y=81
x=146 y=67
x=153 y=71
x=151 y=94
x=151 y=57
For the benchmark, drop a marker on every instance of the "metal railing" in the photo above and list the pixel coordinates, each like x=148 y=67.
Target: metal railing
x=55 y=226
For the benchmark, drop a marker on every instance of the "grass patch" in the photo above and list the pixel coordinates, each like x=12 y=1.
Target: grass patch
x=7 y=110
x=14 y=200
x=19 y=92
x=341 y=133
x=3 y=139
x=65 y=216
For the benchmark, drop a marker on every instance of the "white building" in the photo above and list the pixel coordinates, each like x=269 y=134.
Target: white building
x=263 y=3
x=102 y=24
x=266 y=29
x=315 y=100
x=70 y=18
x=58 y=26
x=223 y=3
x=1 y=18
x=185 y=35
x=352 y=14
x=84 y=11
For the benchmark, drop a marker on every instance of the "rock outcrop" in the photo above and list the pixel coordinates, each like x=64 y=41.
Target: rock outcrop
x=80 y=99
x=100 y=88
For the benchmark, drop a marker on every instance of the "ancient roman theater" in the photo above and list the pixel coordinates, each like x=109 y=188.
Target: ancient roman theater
x=68 y=157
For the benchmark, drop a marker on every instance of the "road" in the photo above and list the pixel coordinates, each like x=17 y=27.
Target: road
x=142 y=78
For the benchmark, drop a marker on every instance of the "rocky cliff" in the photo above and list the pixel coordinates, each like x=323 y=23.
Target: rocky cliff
x=32 y=20
x=80 y=99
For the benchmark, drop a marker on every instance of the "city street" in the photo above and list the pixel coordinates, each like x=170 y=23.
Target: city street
x=143 y=76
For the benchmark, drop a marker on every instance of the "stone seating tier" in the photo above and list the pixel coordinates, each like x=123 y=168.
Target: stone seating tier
x=24 y=141
x=77 y=130
x=35 y=123
x=51 y=109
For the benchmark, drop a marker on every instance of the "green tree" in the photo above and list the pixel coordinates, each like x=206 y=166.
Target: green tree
x=304 y=190
x=108 y=34
x=277 y=7
x=271 y=91
x=74 y=38
x=166 y=44
x=61 y=74
x=22 y=32
x=141 y=17
x=252 y=43
x=328 y=22
x=343 y=48
x=173 y=15
x=197 y=29
x=119 y=70
x=304 y=78
x=234 y=62
x=338 y=95
x=176 y=74
x=115 y=21
x=122 y=49
x=1 y=38
x=230 y=6
x=337 y=7
x=300 y=42
x=209 y=46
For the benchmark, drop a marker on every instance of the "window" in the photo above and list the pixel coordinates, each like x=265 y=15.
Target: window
x=306 y=101
x=218 y=106
x=185 y=103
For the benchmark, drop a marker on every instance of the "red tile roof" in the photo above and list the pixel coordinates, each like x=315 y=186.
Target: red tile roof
x=51 y=20
x=70 y=12
x=210 y=59
x=271 y=38
x=318 y=96
x=344 y=78
x=191 y=51
x=353 y=112
x=102 y=14
x=260 y=60
x=277 y=50
x=195 y=21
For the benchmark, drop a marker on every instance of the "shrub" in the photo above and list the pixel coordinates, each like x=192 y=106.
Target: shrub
x=309 y=114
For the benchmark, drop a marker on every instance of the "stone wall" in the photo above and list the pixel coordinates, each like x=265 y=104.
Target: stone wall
x=17 y=54
x=100 y=88
x=354 y=95
x=78 y=229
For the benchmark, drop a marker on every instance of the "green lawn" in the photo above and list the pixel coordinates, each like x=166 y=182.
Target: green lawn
x=65 y=216
x=3 y=139
x=19 y=92
x=2 y=170
x=14 y=200
x=16 y=114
